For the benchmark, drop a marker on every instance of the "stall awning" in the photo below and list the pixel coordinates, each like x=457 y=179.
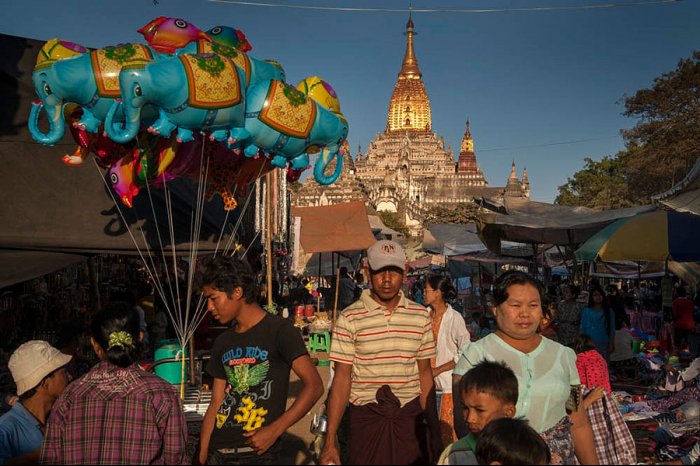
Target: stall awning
x=334 y=228
x=537 y=222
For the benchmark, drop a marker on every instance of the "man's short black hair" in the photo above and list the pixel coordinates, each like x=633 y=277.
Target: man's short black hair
x=226 y=273
x=511 y=441
x=494 y=378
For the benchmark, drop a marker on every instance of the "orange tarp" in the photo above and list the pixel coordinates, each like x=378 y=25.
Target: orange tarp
x=334 y=228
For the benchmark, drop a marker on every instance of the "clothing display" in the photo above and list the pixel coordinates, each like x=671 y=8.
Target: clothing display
x=613 y=441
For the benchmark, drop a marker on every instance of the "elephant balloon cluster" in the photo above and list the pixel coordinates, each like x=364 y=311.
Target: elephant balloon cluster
x=147 y=111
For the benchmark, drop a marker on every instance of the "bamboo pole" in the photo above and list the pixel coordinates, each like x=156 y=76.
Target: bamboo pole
x=337 y=288
x=181 y=355
x=318 y=293
x=268 y=238
x=192 y=374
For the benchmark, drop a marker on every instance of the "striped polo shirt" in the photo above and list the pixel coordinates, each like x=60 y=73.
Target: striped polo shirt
x=383 y=348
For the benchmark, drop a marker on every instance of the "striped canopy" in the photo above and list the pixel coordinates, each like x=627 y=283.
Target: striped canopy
x=654 y=236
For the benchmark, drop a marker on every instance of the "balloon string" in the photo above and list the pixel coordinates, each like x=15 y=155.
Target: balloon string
x=128 y=229
x=159 y=235
x=183 y=325
x=241 y=214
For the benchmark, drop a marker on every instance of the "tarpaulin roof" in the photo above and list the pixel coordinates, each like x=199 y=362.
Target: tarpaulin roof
x=684 y=196
x=53 y=215
x=375 y=222
x=487 y=256
x=627 y=269
x=334 y=228
x=537 y=222
x=451 y=239
x=431 y=261
x=456 y=239
x=330 y=262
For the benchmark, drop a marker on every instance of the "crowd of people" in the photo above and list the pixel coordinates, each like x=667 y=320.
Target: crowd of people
x=526 y=381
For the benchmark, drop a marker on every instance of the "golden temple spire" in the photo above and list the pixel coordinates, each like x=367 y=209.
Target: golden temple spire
x=467 y=141
x=409 y=68
x=409 y=108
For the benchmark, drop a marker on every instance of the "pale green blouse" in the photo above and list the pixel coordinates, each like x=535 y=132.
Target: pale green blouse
x=545 y=376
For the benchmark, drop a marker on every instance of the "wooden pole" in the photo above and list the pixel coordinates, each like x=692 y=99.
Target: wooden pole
x=268 y=237
x=318 y=293
x=480 y=291
x=337 y=287
x=193 y=380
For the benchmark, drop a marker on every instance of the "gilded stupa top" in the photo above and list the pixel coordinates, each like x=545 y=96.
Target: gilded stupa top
x=409 y=108
x=467 y=141
x=409 y=67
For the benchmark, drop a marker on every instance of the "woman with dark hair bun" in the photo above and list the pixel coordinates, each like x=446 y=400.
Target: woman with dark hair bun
x=117 y=413
x=450 y=333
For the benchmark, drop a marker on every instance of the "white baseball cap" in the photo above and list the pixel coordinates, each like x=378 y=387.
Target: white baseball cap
x=385 y=253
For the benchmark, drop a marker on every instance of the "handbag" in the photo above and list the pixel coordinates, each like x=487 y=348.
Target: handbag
x=614 y=443
x=673 y=382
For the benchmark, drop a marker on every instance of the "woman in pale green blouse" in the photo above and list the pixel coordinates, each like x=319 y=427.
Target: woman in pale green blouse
x=546 y=370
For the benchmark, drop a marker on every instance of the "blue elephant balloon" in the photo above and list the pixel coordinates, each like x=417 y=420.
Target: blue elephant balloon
x=255 y=70
x=192 y=92
x=285 y=123
x=69 y=73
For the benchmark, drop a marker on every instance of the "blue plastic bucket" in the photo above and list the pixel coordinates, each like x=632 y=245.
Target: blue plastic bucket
x=170 y=371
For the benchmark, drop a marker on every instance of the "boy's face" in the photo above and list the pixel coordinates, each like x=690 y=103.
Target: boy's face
x=222 y=307
x=480 y=408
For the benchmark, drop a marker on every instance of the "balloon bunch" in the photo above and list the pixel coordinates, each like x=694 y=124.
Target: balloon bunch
x=146 y=111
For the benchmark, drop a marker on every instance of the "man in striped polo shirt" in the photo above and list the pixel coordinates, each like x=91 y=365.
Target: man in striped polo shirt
x=382 y=345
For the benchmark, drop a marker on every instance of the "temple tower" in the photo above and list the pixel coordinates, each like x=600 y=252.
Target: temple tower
x=409 y=107
x=467 y=159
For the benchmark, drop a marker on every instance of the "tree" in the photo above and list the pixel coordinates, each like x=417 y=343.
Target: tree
x=665 y=143
x=392 y=220
x=461 y=214
x=600 y=185
x=659 y=150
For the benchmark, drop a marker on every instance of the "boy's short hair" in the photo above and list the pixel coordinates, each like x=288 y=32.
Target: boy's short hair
x=226 y=273
x=494 y=378
x=511 y=441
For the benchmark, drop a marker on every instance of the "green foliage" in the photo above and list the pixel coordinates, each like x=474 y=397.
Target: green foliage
x=665 y=143
x=600 y=185
x=659 y=150
x=393 y=221
x=460 y=214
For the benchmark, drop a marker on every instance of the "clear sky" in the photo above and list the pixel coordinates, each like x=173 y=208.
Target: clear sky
x=542 y=87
